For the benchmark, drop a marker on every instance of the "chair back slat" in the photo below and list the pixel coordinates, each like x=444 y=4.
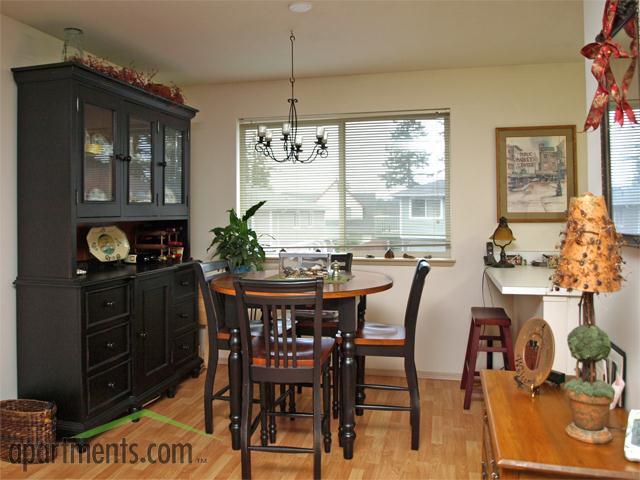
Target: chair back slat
x=279 y=300
x=413 y=303
x=207 y=272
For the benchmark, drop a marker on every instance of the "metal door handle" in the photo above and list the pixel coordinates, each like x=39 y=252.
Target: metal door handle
x=111 y=345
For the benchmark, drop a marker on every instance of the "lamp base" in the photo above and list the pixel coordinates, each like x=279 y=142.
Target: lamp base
x=589 y=436
x=503 y=263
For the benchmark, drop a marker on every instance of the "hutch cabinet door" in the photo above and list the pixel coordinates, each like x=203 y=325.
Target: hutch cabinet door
x=98 y=190
x=174 y=167
x=152 y=331
x=141 y=161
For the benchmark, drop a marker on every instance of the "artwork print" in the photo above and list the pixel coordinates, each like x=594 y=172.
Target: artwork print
x=536 y=172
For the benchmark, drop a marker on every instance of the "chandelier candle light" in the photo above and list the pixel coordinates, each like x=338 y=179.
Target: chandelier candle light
x=292 y=143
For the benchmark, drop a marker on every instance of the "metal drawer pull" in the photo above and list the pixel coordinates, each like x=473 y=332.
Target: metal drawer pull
x=109 y=303
x=184 y=346
x=142 y=335
x=184 y=283
x=111 y=385
x=184 y=315
x=111 y=345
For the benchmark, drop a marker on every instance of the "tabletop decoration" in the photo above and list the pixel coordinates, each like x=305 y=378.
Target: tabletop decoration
x=589 y=261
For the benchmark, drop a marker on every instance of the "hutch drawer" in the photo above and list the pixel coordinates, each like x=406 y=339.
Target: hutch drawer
x=185 y=283
x=109 y=386
x=185 y=346
x=106 y=304
x=107 y=345
x=184 y=315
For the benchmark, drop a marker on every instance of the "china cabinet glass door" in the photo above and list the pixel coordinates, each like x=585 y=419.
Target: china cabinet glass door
x=98 y=190
x=174 y=175
x=140 y=162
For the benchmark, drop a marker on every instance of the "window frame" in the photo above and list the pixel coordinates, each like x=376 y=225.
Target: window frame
x=630 y=240
x=426 y=216
x=341 y=120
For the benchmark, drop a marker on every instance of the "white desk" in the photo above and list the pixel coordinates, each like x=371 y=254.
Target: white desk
x=527 y=292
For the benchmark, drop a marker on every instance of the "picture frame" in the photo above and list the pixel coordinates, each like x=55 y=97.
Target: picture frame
x=617 y=362
x=536 y=172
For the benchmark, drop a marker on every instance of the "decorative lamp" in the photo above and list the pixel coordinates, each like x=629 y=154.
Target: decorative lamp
x=589 y=261
x=502 y=237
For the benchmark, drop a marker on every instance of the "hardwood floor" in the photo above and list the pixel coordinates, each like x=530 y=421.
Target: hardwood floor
x=450 y=445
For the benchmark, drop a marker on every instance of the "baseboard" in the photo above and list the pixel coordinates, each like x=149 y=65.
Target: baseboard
x=421 y=374
x=384 y=372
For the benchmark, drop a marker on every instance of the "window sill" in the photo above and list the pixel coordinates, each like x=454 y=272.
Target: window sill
x=407 y=262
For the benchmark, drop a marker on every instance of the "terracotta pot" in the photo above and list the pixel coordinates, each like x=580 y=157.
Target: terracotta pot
x=589 y=413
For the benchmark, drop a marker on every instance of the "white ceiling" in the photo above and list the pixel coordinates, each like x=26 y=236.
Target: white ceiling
x=215 y=41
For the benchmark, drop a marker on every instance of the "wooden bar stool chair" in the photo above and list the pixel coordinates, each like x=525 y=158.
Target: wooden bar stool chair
x=482 y=317
x=396 y=341
x=279 y=356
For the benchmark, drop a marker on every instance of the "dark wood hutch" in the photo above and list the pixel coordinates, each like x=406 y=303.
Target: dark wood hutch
x=95 y=151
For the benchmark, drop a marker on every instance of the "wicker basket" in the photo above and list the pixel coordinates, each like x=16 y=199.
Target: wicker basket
x=27 y=431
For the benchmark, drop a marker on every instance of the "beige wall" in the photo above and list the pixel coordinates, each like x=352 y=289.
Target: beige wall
x=21 y=45
x=480 y=100
x=617 y=313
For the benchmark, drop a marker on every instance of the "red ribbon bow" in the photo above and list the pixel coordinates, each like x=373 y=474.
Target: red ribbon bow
x=601 y=54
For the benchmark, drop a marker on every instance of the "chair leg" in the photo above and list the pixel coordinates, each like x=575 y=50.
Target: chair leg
x=335 y=360
x=508 y=344
x=360 y=396
x=317 y=430
x=471 y=367
x=212 y=366
x=292 y=400
x=283 y=390
x=264 y=401
x=326 y=418
x=465 y=368
x=271 y=391
x=245 y=429
x=414 y=399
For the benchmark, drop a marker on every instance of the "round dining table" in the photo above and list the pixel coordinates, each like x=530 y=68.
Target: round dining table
x=343 y=297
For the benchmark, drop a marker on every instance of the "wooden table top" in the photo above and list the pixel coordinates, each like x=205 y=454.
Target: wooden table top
x=528 y=433
x=361 y=283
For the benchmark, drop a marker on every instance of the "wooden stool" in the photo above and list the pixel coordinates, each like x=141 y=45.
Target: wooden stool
x=481 y=317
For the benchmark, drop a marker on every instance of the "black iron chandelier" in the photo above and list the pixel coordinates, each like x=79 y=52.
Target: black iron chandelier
x=292 y=143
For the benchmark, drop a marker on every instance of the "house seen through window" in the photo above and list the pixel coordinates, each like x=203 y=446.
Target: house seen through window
x=384 y=184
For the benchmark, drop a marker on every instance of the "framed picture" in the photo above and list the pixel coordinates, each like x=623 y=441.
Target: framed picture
x=616 y=367
x=536 y=172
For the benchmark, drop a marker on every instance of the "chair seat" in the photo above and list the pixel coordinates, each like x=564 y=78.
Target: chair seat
x=490 y=316
x=304 y=351
x=223 y=334
x=380 y=334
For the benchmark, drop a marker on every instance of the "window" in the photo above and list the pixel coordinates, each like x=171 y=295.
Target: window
x=385 y=183
x=426 y=208
x=621 y=174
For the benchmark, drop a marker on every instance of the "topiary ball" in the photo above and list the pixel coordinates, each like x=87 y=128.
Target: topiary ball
x=588 y=342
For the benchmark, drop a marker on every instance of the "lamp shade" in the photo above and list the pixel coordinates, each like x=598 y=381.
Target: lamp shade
x=502 y=234
x=590 y=258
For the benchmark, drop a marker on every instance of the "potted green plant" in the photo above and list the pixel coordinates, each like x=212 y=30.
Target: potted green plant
x=590 y=397
x=238 y=243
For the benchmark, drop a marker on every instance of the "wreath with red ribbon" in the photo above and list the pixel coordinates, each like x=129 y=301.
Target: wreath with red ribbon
x=601 y=52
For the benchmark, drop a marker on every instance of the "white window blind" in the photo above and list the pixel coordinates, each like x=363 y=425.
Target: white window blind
x=360 y=197
x=624 y=174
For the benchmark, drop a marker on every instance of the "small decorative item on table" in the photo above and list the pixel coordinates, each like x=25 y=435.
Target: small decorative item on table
x=176 y=250
x=589 y=261
x=534 y=352
x=156 y=241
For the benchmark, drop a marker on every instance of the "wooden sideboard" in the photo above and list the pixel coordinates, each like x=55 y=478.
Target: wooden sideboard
x=524 y=437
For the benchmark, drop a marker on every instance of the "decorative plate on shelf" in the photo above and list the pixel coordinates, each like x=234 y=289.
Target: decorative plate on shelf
x=108 y=244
